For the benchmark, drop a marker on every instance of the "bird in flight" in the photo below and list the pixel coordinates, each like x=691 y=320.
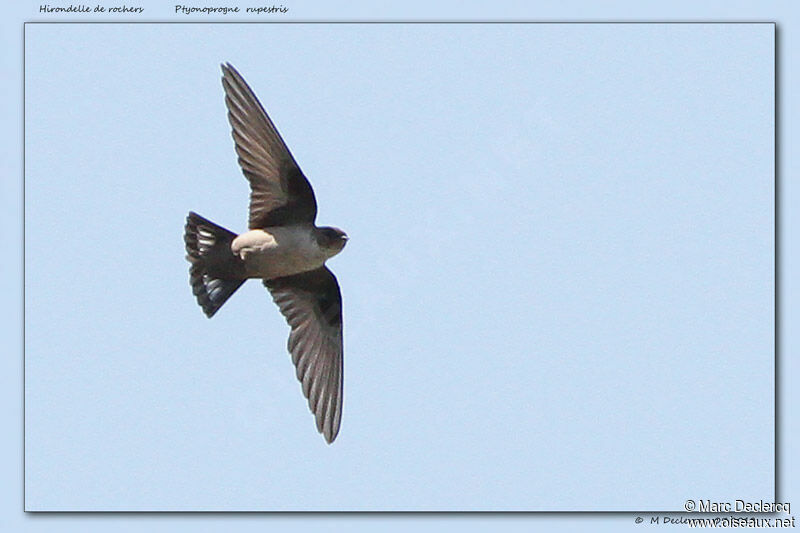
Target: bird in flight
x=283 y=247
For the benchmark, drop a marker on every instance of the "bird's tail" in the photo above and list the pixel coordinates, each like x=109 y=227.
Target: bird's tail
x=216 y=272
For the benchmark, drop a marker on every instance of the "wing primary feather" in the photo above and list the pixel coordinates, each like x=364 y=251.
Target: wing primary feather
x=280 y=193
x=311 y=304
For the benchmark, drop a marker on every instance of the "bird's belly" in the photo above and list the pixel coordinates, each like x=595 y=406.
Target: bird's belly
x=275 y=254
x=269 y=264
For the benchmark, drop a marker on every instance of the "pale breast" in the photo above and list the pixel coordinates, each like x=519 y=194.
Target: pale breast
x=278 y=252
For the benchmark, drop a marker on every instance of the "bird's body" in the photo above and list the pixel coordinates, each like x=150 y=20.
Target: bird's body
x=279 y=251
x=283 y=247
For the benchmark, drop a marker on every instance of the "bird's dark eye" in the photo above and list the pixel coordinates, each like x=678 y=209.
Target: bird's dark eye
x=325 y=237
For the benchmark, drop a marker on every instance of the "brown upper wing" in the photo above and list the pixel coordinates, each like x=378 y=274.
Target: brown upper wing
x=312 y=304
x=279 y=192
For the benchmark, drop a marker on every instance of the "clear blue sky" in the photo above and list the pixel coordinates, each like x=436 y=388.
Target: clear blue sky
x=557 y=293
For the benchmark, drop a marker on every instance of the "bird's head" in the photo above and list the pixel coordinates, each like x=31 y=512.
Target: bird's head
x=332 y=240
